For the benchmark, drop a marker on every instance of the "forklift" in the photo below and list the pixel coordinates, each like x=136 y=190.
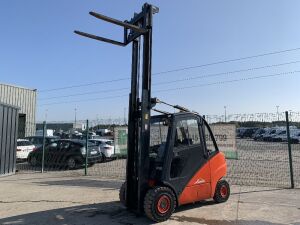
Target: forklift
x=172 y=158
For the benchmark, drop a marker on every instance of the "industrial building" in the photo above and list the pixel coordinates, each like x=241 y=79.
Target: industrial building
x=62 y=126
x=25 y=100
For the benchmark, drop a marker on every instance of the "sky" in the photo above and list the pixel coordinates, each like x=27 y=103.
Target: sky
x=39 y=50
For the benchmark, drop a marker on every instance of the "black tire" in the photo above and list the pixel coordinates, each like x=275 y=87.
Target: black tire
x=122 y=194
x=103 y=158
x=159 y=204
x=71 y=163
x=222 y=191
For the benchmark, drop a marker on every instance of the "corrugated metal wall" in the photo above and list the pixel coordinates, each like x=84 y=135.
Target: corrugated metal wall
x=8 y=139
x=23 y=98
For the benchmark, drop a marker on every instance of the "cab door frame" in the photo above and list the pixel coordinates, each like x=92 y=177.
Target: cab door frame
x=197 y=161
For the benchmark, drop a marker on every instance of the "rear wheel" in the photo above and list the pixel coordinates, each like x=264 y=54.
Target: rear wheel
x=222 y=191
x=71 y=163
x=122 y=194
x=159 y=204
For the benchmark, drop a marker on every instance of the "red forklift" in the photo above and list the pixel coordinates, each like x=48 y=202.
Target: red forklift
x=173 y=158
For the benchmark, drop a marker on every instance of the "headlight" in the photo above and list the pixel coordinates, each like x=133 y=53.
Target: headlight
x=83 y=150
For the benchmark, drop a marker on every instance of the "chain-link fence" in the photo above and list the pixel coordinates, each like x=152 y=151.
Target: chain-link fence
x=63 y=150
x=256 y=146
x=263 y=150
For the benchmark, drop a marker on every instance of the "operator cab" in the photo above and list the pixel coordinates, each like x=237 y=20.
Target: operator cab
x=179 y=144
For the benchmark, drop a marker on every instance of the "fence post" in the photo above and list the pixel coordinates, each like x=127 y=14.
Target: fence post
x=86 y=147
x=43 y=147
x=289 y=148
x=114 y=129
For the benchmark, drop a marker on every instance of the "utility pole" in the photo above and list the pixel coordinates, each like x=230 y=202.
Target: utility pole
x=290 y=115
x=46 y=114
x=75 y=118
x=277 y=106
x=225 y=114
x=98 y=122
x=125 y=116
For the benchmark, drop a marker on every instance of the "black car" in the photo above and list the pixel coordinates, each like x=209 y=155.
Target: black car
x=248 y=132
x=66 y=153
x=38 y=140
x=267 y=136
x=257 y=136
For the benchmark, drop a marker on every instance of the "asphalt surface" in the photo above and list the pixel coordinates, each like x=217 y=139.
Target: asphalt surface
x=50 y=199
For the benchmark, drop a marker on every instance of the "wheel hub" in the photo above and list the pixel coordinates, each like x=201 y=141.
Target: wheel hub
x=163 y=204
x=223 y=191
x=71 y=163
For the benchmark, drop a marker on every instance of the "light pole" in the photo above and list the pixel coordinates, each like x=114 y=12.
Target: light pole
x=277 y=106
x=97 y=117
x=75 y=118
x=290 y=115
x=225 y=114
x=124 y=115
x=46 y=114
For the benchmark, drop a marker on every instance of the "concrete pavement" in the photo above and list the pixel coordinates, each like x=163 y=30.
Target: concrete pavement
x=46 y=199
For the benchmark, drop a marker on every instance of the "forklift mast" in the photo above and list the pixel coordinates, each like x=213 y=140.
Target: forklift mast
x=137 y=30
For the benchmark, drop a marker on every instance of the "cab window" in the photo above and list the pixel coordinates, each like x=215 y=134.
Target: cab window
x=158 y=138
x=187 y=133
x=187 y=147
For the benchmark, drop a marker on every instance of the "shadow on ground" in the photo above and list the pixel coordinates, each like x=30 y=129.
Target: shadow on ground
x=196 y=220
x=102 y=213
x=94 y=183
x=258 y=191
x=112 y=213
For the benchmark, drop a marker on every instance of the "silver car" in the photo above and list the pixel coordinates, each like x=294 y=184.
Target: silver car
x=106 y=146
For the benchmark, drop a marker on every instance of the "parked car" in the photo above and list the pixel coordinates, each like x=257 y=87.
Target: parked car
x=24 y=147
x=279 y=136
x=66 y=153
x=106 y=146
x=239 y=131
x=295 y=136
x=267 y=136
x=103 y=132
x=38 y=140
x=94 y=137
x=49 y=132
x=247 y=132
x=68 y=135
x=257 y=136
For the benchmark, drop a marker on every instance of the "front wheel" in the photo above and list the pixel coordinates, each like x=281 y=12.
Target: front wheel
x=159 y=204
x=222 y=191
x=71 y=163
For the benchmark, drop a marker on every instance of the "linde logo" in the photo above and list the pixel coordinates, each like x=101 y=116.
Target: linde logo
x=200 y=181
